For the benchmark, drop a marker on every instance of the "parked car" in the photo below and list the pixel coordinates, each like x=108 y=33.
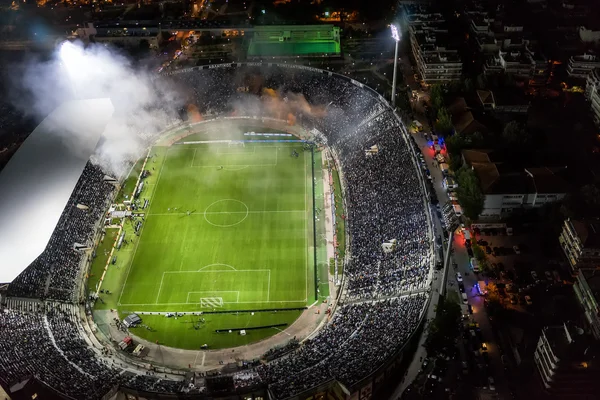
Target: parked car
x=513 y=299
x=461 y=287
x=548 y=276
x=482 y=242
x=459 y=277
x=470 y=308
x=534 y=276
x=488 y=250
x=491 y=383
x=517 y=249
x=528 y=300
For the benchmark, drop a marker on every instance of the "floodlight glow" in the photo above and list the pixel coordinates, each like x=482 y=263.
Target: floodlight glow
x=68 y=52
x=395 y=32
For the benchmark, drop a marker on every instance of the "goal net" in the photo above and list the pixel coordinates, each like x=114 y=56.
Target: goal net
x=211 y=302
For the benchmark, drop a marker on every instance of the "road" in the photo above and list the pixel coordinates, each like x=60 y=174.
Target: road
x=480 y=316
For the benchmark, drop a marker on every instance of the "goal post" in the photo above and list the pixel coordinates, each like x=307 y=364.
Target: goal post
x=211 y=302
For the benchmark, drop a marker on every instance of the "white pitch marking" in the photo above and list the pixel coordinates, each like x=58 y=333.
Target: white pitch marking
x=193 y=158
x=235 y=212
x=137 y=243
x=160 y=287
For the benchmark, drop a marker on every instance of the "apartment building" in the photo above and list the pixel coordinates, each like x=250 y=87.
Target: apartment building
x=580 y=66
x=519 y=63
x=567 y=362
x=592 y=94
x=437 y=59
x=508 y=189
x=580 y=241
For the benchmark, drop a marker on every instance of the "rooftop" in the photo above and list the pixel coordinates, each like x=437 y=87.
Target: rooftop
x=588 y=232
x=498 y=177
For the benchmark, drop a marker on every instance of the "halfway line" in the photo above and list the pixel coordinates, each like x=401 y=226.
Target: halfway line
x=233 y=212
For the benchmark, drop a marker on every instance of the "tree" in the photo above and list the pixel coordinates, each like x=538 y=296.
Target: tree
x=469 y=193
x=479 y=255
x=591 y=196
x=481 y=82
x=444 y=328
x=437 y=98
x=444 y=121
x=469 y=85
x=515 y=133
x=455 y=161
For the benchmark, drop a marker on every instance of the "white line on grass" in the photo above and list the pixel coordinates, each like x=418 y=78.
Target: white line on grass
x=217 y=270
x=234 y=212
x=193 y=158
x=160 y=287
x=243 y=302
x=306 y=222
x=235 y=165
x=269 y=287
x=141 y=230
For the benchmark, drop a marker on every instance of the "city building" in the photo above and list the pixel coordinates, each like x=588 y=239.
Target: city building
x=123 y=34
x=567 y=363
x=437 y=59
x=508 y=189
x=518 y=63
x=580 y=241
x=589 y=35
x=580 y=66
x=592 y=89
x=587 y=291
x=508 y=101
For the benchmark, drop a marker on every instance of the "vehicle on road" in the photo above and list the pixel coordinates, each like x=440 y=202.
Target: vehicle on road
x=475 y=265
x=459 y=277
x=465 y=299
x=534 y=276
x=528 y=300
x=517 y=249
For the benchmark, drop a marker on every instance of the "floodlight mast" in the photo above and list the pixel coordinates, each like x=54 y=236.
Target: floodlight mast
x=396 y=36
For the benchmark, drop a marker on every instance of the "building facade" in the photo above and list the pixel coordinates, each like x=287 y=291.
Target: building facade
x=592 y=94
x=566 y=363
x=580 y=241
x=437 y=60
x=580 y=66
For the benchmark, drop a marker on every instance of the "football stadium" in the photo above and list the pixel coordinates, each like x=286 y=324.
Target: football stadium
x=271 y=239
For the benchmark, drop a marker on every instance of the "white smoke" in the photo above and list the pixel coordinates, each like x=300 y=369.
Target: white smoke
x=143 y=105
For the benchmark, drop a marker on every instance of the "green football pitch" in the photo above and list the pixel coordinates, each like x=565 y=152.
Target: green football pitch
x=227 y=228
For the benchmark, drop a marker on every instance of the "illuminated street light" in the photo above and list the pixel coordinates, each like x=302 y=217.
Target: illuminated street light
x=396 y=36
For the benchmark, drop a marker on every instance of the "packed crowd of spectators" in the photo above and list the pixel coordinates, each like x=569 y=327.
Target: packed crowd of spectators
x=53 y=274
x=386 y=291
x=44 y=341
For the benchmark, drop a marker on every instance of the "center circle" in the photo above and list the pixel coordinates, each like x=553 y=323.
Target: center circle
x=225 y=213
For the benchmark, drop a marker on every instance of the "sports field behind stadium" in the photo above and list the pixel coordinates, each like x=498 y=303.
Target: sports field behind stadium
x=228 y=228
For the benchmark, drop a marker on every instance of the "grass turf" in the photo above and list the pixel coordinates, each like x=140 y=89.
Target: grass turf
x=246 y=244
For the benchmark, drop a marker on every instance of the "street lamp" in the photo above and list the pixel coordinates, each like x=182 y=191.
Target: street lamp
x=396 y=36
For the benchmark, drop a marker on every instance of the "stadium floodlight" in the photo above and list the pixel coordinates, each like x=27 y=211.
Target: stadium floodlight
x=396 y=36
x=395 y=32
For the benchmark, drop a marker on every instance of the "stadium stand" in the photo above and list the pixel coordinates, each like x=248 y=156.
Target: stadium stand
x=385 y=294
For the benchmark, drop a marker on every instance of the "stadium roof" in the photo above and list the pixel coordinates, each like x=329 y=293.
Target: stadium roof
x=37 y=182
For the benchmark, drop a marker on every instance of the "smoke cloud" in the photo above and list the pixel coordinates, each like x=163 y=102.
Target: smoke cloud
x=143 y=105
